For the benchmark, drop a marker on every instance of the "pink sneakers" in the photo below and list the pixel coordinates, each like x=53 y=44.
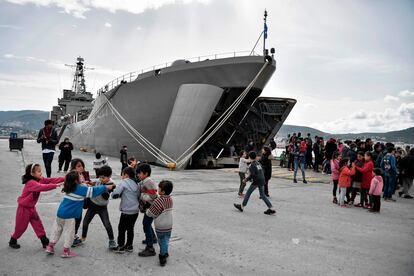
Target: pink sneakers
x=67 y=253
x=50 y=248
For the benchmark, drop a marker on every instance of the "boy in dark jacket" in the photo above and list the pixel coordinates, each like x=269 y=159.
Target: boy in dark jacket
x=256 y=175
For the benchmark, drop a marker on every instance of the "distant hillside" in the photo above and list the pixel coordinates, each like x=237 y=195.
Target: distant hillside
x=289 y=129
x=403 y=136
x=23 y=119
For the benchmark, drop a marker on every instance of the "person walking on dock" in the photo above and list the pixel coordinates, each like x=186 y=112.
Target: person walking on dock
x=258 y=178
x=124 y=158
x=65 y=155
x=48 y=138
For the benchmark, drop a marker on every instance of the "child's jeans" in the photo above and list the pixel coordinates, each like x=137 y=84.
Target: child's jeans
x=63 y=225
x=261 y=192
x=342 y=194
x=149 y=232
x=163 y=241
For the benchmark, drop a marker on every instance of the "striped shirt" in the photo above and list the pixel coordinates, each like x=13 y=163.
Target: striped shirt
x=161 y=211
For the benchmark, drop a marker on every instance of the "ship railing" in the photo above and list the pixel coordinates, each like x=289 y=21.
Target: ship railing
x=133 y=75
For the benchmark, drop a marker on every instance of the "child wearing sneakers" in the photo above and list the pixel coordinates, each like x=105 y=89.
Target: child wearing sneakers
x=99 y=205
x=375 y=190
x=344 y=181
x=335 y=174
x=161 y=211
x=128 y=191
x=147 y=197
x=366 y=171
x=257 y=176
x=26 y=211
x=79 y=166
x=69 y=209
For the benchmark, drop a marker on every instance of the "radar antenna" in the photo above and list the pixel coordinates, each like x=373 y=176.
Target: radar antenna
x=79 y=85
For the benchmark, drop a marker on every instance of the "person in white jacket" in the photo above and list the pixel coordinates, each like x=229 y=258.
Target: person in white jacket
x=244 y=163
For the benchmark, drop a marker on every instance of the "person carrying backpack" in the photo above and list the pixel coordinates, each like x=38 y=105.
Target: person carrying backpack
x=388 y=166
x=299 y=159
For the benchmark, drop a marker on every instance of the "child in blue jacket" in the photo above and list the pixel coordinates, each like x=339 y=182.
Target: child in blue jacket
x=69 y=209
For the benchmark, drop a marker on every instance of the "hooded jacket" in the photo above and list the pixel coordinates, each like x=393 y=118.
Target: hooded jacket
x=129 y=192
x=31 y=191
x=335 y=169
x=367 y=174
x=345 y=174
x=376 y=185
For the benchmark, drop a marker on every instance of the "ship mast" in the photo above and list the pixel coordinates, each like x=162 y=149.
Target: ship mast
x=264 y=33
x=79 y=85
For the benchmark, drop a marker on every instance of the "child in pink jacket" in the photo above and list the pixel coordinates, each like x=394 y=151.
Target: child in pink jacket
x=26 y=211
x=335 y=174
x=375 y=190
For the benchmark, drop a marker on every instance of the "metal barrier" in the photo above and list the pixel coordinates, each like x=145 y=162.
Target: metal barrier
x=133 y=75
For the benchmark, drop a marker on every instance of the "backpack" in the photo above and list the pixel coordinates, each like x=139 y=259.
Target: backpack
x=387 y=164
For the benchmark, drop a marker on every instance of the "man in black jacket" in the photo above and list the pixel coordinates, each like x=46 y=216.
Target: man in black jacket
x=258 y=181
x=124 y=158
x=65 y=155
x=48 y=137
x=407 y=170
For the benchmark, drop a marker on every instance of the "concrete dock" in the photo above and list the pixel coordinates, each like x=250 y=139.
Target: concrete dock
x=308 y=236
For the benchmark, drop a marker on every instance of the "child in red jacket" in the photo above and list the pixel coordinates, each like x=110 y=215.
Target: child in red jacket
x=366 y=171
x=344 y=181
x=26 y=211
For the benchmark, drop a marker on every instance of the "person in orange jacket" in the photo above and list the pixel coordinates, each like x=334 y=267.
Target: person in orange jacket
x=344 y=181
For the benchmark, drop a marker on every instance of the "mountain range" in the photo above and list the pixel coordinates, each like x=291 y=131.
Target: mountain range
x=33 y=120
x=23 y=119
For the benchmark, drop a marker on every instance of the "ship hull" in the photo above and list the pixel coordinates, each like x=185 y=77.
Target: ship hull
x=165 y=107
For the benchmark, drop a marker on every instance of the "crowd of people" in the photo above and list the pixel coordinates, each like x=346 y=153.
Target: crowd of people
x=356 y=167
x=136 y=190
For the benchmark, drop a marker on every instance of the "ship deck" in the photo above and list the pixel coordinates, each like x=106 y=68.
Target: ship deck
x=308 y=235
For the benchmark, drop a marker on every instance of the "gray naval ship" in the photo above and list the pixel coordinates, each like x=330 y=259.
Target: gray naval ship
x=189 y=113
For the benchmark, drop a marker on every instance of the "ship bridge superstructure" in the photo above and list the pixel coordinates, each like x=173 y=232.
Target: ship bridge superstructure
x=76 y=104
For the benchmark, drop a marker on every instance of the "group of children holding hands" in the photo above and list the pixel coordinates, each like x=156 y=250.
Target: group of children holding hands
x=137 y=193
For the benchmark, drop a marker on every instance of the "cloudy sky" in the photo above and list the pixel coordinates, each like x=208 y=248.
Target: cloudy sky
x=350 y=64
